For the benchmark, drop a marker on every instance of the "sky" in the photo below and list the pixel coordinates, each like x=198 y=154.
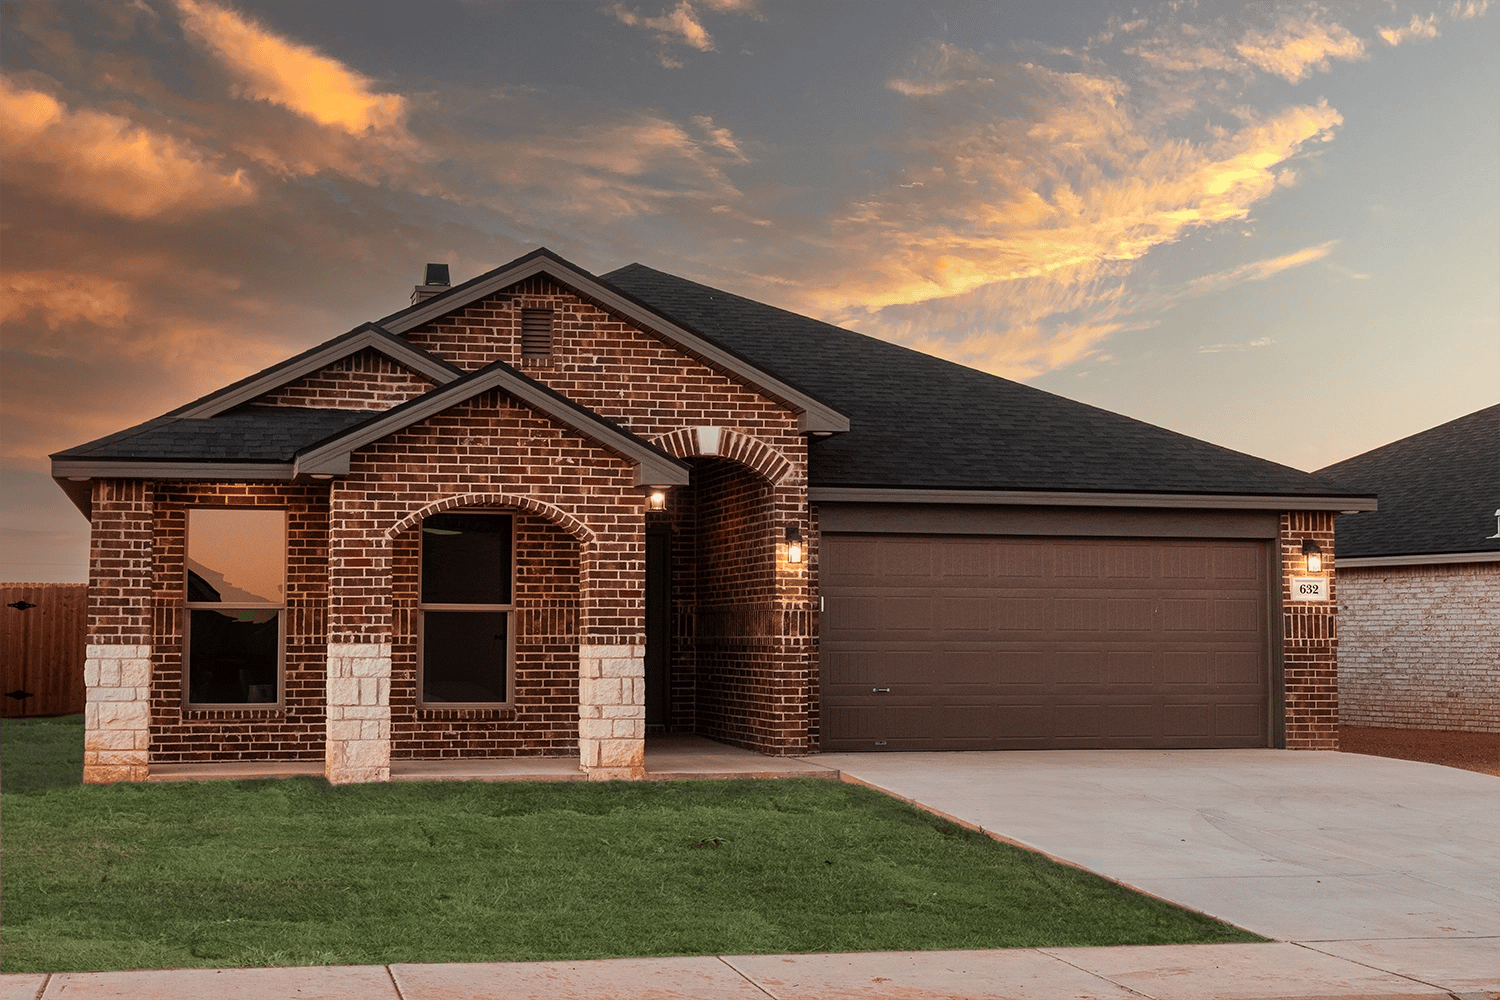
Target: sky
x=1275 y=227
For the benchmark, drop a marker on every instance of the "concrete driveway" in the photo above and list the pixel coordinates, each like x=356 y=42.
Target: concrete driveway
x=1388 y=863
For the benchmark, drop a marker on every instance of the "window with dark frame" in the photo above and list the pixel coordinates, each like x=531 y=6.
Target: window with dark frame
x=465 y=608
x=235 y=596
x=536 y=333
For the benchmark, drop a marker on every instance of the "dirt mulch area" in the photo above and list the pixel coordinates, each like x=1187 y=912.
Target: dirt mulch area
x=1470 y=751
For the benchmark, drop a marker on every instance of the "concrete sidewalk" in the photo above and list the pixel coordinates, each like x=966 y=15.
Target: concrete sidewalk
x=1168 y=972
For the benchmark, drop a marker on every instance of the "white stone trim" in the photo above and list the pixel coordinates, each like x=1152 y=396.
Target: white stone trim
x=1435 y=559
x=359 y=712
x=612 y=710
x=117 y=713
x=708 y=440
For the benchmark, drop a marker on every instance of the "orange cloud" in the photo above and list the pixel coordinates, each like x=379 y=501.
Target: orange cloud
x=1418 y=28
x=1298 y=46
x=680 y=24
x=105 y=161
x=1027 y=197
x=1260 y=270
x=62 y=298
x=296 y=77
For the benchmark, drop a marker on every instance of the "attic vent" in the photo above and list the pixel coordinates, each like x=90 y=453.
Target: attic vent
x=536 y=333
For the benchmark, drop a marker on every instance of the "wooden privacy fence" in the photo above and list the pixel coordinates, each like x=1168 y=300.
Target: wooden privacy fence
x=42 y=636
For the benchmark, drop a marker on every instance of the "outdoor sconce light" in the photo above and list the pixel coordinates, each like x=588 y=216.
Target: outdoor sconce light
x=657 y=500
x=793 y=544
x=1313 y=554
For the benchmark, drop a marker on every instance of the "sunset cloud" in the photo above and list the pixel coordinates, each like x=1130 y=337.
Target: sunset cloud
x=105 y=161
x=679 y=25
x=1027 y=196
x=1299 y=46
x=1260 y=270
x=59 y=298
x=297 y=77
x=1418 y=28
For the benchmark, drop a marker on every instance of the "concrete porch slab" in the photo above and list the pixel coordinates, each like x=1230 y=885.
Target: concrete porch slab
x=669 y=757
x=489 y=769
x=679 y=756
x=234 y=770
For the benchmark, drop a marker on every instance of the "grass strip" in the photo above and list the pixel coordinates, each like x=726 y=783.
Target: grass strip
x=298 y=872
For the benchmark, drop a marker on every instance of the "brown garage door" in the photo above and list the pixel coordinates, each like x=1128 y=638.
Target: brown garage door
x=934 y=642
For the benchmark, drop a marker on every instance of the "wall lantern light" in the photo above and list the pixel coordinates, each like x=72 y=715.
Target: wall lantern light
x=1313 y=554
x=793 y=544
x=657 y=500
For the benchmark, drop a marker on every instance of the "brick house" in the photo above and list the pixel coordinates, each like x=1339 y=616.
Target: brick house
x=1419 y=581
x=544 y=513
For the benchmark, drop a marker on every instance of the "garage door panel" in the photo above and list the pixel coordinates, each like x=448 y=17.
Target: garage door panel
x=1185 y=615
x=1122 y=667
x=1188 y=721
x=1238 y=668
x=1130 y=614
x=1043 y=643
x=1238 y=720
x=1240 y=616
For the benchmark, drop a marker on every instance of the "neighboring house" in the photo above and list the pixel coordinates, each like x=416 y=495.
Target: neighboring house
x=544 y=513
x=1419 y=581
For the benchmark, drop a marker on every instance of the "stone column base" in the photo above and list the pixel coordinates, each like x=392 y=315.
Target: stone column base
x=117 y=714
x=612 y=711
x=359 y=713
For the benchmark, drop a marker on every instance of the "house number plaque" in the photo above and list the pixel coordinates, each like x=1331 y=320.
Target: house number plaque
x=1309 y=588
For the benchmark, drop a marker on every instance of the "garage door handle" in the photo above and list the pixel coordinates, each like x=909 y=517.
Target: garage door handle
x=881 y=690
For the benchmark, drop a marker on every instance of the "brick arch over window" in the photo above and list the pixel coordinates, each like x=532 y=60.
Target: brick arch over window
x=725 y=442
x=562 y=519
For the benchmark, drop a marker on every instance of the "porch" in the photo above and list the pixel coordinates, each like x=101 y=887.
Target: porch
x=669 y=757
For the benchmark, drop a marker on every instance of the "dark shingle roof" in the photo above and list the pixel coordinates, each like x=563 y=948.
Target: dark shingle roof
x=248 y=434
x=1438 y=491
x=921 y=422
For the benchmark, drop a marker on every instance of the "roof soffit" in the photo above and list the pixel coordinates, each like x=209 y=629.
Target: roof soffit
x=814 y=415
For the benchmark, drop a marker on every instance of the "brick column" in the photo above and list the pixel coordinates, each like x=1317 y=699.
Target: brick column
x=358 y=745
x=117 y=660
x=1309 y=637
x=612 y=710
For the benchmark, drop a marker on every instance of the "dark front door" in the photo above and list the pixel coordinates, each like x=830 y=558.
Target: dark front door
x=658 y=624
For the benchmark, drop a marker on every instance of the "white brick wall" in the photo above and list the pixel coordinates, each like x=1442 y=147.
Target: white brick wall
x=1419 y=646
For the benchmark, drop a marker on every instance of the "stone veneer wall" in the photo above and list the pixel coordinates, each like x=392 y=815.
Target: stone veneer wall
x=1419 y=646
x=1309 y=637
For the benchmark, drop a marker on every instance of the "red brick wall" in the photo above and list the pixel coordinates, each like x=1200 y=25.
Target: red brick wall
x=543 y=717
x=294 y=731
x=1310 y=637
x=367 y=380
x=120 y=564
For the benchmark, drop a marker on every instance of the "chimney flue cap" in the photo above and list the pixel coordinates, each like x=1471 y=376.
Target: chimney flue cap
x=437 y=274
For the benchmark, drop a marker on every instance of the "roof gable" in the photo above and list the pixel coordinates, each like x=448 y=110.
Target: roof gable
x=653 y=467
x=814 y=414
x=368 y=336
x=1439 y=491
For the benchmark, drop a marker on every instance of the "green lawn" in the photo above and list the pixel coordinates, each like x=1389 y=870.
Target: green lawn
x=294 y=872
